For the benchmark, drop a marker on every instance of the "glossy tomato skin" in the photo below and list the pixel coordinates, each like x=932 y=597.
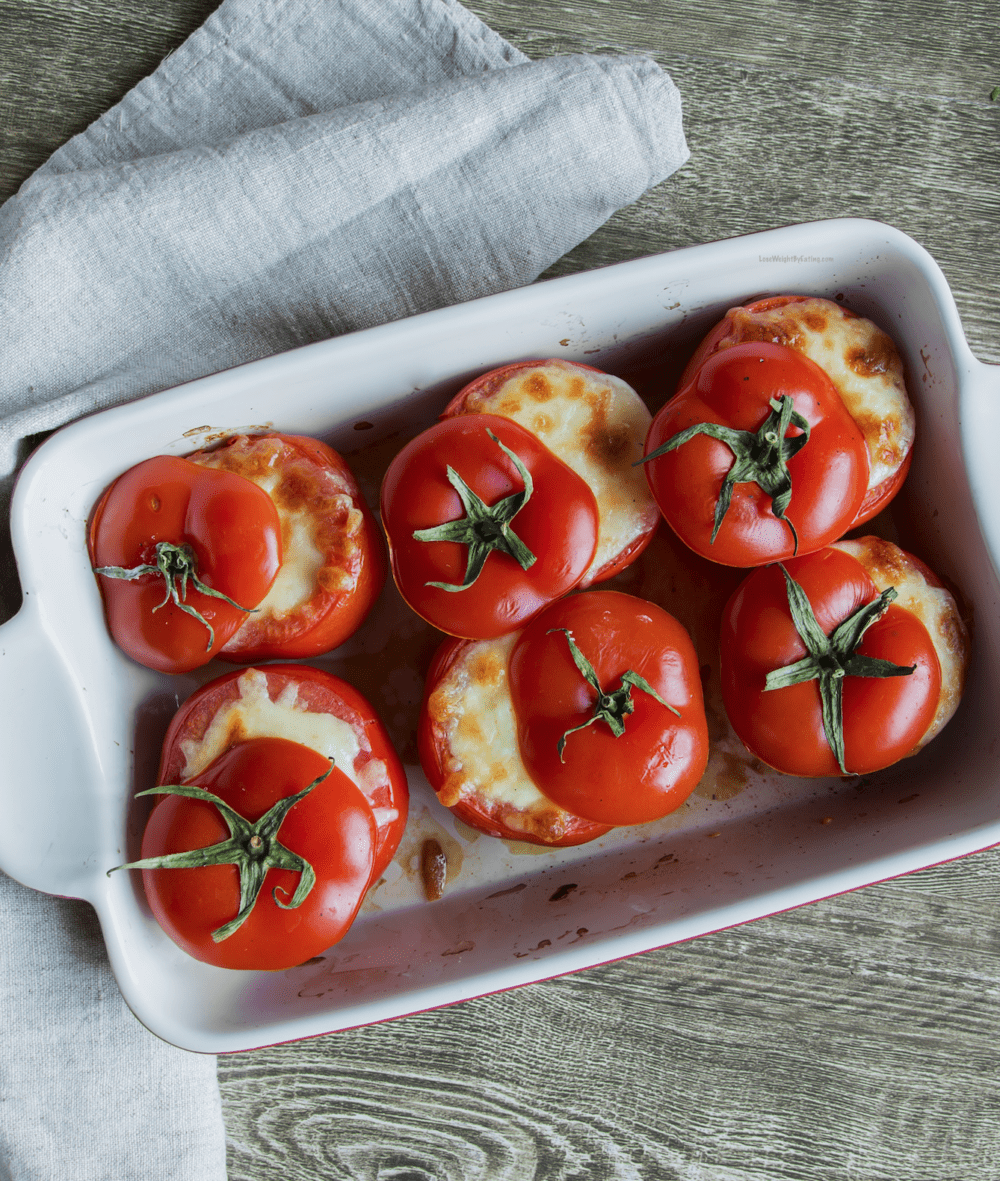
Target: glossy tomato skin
x=474 y=809
x=733 y=388
x=333 y=828
x=558 y=524
x=315 y=484
x=320 y=692
x=884 y=719
x=876 y=497
x=650 y=769
x=229 y=523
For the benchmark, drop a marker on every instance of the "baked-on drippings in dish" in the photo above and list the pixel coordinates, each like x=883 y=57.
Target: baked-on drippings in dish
x=433 y=868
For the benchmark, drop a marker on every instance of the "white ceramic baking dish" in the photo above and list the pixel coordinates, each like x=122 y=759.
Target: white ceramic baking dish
x=81 y=724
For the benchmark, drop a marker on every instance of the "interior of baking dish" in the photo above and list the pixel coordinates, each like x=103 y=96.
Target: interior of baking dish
x=84 y=724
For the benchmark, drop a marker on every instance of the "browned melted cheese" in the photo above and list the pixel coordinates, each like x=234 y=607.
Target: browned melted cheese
x=935 y=607
x=473 y=718
x=321 y=523
x=597 y=425
x=861 y=361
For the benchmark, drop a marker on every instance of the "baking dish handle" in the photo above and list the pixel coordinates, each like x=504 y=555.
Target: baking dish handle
x=48 y=814
x=987 y=378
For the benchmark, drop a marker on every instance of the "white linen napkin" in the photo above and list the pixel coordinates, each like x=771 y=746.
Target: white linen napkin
x=297 y=169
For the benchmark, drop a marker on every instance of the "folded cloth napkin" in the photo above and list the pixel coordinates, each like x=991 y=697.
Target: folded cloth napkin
x=297 y=169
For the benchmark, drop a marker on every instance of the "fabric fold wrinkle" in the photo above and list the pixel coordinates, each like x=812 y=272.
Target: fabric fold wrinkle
x=545 y=147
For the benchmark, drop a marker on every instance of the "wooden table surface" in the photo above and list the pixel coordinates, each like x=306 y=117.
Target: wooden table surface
x=855 y=1039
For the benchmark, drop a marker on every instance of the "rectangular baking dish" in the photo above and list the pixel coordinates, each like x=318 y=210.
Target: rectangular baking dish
x=82 y=725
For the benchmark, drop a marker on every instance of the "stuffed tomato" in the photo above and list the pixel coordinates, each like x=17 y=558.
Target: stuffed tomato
x=333 y=567
x=313 y=805
x=790 y=425
x=596 y=424
x=590 y=717
x=756 y=458
x=861 y=361
x=261 y=548
x=843 y=661
x=485 y=525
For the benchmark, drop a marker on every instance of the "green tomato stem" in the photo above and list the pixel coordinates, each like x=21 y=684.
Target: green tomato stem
x=611 y=708
x=252 y=848
x=484 y=527
x=831 y=658
x=176 y=565
x=760 y=458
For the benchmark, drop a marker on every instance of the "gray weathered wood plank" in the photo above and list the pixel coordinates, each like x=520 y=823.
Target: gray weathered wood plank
x=63 y=64
x=916 y=48
x=795 y=120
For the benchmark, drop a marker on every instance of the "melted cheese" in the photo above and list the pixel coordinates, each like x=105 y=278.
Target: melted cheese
x=301 y=562
x=473 y=717
x=320 y=523
x=861 y=361
x=887 y=565
x=255 y=715
x=597 y=425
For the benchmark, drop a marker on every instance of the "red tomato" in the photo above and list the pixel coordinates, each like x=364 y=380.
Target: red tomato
x=739 y=389
x=232 y=534
x=608 y=443
x=332 y=828
x=884 y=717
x=876 y=497
x=556 y=527
x=486 y=813
x=314 y=691
x=334 y=567
x=653 y=763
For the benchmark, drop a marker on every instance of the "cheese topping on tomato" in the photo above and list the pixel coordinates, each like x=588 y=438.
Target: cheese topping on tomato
x=859 y=358
x=597 y=425
x=472 y=714
x=321 y=525
x=887 y=565
x=255 y=715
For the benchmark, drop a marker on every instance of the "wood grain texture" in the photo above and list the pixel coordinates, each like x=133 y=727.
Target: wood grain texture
x=800 y=112
x=64 y=63
x=852 y=1040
